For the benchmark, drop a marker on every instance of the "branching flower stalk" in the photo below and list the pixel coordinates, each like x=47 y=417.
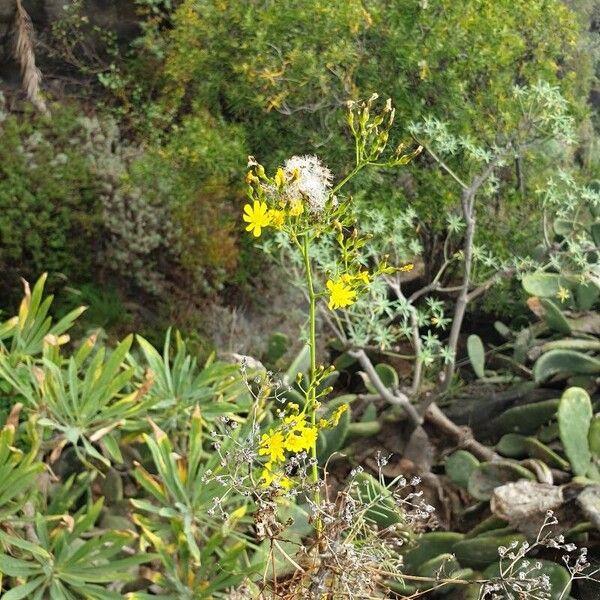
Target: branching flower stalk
x=312 y=341
x=302 y=205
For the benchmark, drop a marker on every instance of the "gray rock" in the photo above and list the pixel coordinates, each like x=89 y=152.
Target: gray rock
x=589 y=502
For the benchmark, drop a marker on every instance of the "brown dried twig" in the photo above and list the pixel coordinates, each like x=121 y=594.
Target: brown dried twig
x=25 y=56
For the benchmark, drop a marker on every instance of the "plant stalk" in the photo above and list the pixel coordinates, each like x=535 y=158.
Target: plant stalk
x=312 y=391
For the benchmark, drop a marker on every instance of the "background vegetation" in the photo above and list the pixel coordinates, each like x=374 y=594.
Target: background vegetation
x=121 y=189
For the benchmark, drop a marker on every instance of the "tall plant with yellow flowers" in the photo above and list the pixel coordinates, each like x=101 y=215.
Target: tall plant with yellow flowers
x=304 y=204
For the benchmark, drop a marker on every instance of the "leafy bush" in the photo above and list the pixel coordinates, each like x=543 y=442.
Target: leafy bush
x=48 y=199
x=289 y=94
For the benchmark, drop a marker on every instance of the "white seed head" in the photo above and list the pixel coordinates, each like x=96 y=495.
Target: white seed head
x=312 y=183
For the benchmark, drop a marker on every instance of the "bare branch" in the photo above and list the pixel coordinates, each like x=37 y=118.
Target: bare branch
x=486 y=285
x=396 y=397
x=444 y=166
x=416 y=337
x=461 y=435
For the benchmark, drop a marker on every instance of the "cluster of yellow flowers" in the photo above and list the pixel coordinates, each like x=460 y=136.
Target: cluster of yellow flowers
x=294 y=434
x=259 y=216
x=342 y=290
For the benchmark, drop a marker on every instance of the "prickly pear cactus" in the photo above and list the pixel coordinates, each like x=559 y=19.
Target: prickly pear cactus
x=481 y=551
x=512 y=445
x=554 y=317
x=565 y=361
x=574 y=419
x=594 y=437
x=459 y=466
x=544 y=285
x=333 y=439
x=388 y=377
x=526 y=419
x=558 y=577
x=476 y=353
x=278 y=345
x=429 y=545
x=489 y=475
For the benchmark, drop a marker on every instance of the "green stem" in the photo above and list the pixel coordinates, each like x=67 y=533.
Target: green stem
x=348 y=177
x=312 y=392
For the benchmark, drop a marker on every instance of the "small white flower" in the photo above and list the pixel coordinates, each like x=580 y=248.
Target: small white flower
x=312 y=183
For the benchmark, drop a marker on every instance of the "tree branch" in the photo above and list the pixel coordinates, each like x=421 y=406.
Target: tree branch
x=397 y=398
x=462 y=435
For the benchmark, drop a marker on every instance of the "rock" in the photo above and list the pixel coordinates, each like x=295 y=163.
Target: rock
x=589 y=502
x=524 y=504
x=525 y=499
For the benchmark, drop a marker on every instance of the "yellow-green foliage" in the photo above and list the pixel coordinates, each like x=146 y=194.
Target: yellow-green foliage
x=457 y=60
x=282 y=72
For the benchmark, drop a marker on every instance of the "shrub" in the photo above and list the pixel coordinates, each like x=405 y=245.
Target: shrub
x=49 y=209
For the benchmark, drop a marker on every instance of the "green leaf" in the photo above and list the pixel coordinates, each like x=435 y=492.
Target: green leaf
x=565 y=362
x=574 y=419
x=13 y=567
x=23 y=591
x=459 y=466
x=476 y=353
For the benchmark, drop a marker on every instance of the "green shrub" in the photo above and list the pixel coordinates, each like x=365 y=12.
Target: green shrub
x=49 y=210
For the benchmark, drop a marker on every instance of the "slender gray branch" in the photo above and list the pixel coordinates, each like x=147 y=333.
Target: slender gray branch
x=468 y=197
x=444 y=166
x=416 y=337
x=396 y=397
x=462 y=435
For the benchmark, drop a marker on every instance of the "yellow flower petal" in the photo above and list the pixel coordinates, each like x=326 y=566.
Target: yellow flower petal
x=340 y=294
x=257 y=216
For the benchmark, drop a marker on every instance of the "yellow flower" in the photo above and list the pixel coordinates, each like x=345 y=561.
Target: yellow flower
x=251 y=178
x=340 y=294
x=273 y=445
x=339 y=411
x=300 y=436
x=257 y=217
x=297 y=208
x=279 y=177
x=406 y=268
x=563 y=294
x=277 y=217
x=363 y=276
x=268 y=476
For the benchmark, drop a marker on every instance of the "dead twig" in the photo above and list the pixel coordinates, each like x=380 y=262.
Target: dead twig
x=25 y=56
